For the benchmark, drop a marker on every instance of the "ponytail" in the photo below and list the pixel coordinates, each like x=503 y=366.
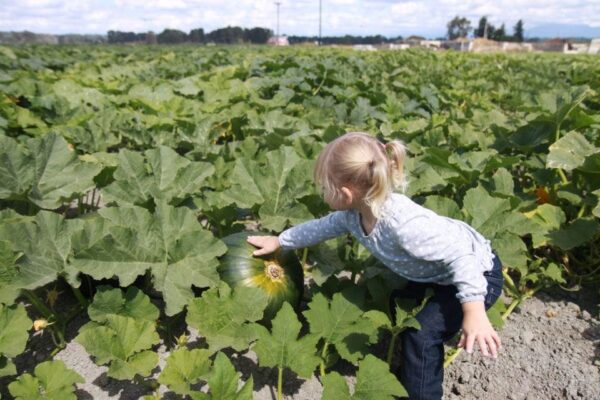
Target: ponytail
x=396 y=152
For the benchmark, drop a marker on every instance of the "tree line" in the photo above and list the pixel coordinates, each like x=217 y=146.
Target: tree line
x=461 y=27
x=228 y=35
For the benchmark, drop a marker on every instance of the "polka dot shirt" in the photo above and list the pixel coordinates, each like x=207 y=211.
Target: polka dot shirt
x=412 y=241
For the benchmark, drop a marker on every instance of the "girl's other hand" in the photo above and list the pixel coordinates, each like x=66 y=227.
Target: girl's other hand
x=477 y=328
x=265 y=244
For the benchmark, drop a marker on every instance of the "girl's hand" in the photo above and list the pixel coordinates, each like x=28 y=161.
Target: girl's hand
x=477 y=327
x=265 y=244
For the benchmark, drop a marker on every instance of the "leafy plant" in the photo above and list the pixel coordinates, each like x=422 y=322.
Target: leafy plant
x=282 y=348
x=121 y=332
x=14 y=325
x=51 y=380
x=374 y=381
x=228 y=318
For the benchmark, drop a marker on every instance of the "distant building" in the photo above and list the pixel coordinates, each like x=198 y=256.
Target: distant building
x=555 y=45
x=278 y=41
x=594 y=46
x=397 y=46
x=459 y=44
x=431 y=44
x=364 y=47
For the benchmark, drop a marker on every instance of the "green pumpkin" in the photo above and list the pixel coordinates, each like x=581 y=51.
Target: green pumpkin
x=279 y=274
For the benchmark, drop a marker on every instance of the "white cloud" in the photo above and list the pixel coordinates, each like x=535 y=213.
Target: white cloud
x=300 y=17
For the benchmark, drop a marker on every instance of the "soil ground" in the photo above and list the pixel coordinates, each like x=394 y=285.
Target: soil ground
x=550 y=351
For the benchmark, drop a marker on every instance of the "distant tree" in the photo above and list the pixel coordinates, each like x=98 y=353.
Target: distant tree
x=228 y=35
x=197 y=35
x=518 y=31
x=124 y=37
x=498 y=34
x=171 y=36
x=458 y=27
x=257 y=35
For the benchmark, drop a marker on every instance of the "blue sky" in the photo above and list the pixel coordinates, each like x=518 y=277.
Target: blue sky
x=299 y=17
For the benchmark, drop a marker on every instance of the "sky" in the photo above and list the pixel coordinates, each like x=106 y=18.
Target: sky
x=297 y=17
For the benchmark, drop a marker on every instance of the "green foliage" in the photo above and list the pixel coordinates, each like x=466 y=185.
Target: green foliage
x=182 y=141
x=185 y=368
x=14 y=325
x=223 y=383
x=341 y=323
x=121 y=332
x=282 y=347
x=165 y=176
x=374 y=381
x=227 y=318
x=51 y=380
x=169 y=242
x=44 y=172
x=274 y=185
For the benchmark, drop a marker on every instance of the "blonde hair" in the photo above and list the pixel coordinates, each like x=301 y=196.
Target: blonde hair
x=362 y=162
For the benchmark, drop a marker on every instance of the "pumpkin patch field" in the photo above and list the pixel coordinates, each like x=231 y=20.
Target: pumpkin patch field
x=130 y=177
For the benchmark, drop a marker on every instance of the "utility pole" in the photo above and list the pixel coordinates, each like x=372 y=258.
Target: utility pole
x=277 y=3
x=485 y=29
x=319 y=22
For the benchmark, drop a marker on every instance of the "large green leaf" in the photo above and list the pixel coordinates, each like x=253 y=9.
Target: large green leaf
x=226 y=318
x=282 y=348
x=170 y=243
x=14 y=325
x=45 y=242
x=161 y=174
x=132 y=303
x=52 y=380
x=341 y=323
x=374 y=381
x=492 y=216
x=576 y=233
x=8 y=272
x=570 y=151
x=45 y=172
x=274 y=185
x=185 y=368
x=223 y=383
x=122 y=342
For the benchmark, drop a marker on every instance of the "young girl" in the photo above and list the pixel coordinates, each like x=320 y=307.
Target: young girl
x=357 y=175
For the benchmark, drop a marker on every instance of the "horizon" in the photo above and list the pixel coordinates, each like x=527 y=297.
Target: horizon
x=300 y=18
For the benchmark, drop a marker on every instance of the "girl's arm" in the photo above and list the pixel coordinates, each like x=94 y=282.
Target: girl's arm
x=303 y=235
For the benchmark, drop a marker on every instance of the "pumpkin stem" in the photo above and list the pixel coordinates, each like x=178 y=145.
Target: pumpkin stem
x=274 y=271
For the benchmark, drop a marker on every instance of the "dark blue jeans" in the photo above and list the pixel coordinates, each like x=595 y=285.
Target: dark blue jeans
x=422 y=361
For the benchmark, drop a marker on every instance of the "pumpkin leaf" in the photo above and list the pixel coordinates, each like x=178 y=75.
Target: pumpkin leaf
x=52 y=380
x=226 y=318
x=223 y=383
x=123 y=343
x=170 y=243
x=161 y=174
x=8 y=272
x=133 y=303
x=282 y=348
x=570 y=151
x=45 y=172
x=14 y=325
x=340 y=322
x=374 y=381
x=45 y=242
x=185 y=368
x=274 y=186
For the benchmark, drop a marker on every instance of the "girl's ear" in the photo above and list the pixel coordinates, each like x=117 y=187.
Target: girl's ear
x=348 y=196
